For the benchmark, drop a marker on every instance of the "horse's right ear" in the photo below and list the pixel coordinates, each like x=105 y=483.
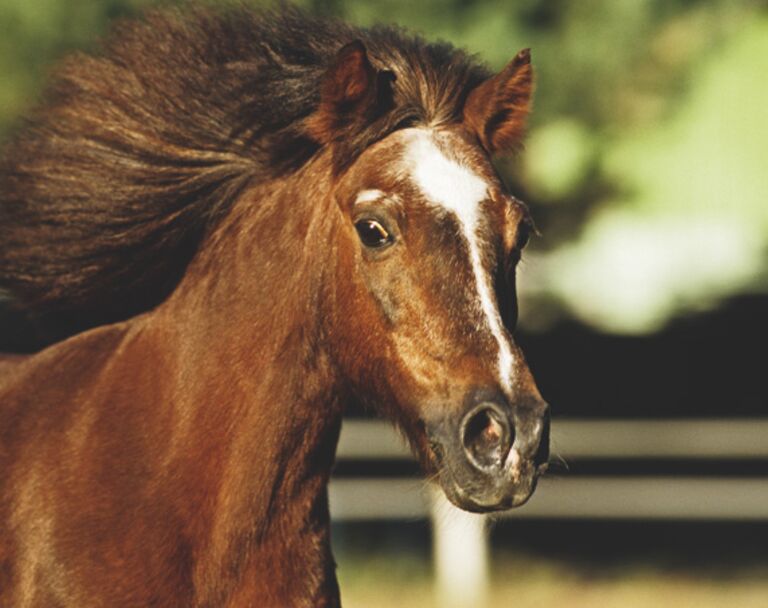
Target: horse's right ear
x=348 y=94
x=496 y=110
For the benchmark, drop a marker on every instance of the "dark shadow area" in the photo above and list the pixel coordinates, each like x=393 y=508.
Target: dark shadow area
x=600 y=547
x=705 y=365
x=17 y=333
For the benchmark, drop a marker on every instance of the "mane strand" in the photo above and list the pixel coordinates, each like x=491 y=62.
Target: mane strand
x=110 y=188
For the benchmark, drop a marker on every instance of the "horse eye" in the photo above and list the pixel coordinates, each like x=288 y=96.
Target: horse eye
x=372 y=233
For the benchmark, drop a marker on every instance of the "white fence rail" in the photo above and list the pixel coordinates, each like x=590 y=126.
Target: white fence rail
x=689 y=438
x=689 y=498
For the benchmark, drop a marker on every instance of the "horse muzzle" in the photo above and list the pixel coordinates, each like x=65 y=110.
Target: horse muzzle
x=490 y=457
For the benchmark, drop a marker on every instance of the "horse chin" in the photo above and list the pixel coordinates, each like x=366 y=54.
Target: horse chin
x=505 y=489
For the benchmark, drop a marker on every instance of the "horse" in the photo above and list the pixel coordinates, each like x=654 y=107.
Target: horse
x=241 y=222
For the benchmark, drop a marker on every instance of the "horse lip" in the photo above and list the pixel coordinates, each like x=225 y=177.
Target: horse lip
x=505 y=503
x=502 y=490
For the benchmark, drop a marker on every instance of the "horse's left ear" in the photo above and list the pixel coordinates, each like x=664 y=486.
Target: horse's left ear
x=496 y=111
x=348 y=93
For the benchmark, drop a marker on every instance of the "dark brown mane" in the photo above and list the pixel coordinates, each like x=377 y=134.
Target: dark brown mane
x=107 y=192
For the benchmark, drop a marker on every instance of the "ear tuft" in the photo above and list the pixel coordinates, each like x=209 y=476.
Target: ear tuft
x=497 y=110
x=348 y=92
x=522 y=57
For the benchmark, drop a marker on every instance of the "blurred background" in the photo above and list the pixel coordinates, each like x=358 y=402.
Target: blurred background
x=644 y=307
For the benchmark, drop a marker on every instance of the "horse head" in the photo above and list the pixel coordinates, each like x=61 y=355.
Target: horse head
x=425 y=306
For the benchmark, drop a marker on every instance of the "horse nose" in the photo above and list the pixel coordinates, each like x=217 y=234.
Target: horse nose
x=487 y=434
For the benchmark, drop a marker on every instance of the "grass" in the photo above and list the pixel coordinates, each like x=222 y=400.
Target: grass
x=403 y=580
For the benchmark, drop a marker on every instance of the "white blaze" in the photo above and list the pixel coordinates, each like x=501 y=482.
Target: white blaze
x=460 y=191
x=368 y=196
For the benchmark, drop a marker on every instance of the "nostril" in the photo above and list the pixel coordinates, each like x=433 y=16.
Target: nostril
x=486 y=436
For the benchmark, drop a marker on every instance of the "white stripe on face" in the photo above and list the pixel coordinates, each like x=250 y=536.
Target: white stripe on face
x=368 y=196
x=458 y=190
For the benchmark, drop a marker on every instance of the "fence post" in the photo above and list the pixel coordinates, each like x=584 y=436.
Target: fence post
x=460 y=554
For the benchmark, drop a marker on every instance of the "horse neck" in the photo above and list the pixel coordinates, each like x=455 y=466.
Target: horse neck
x=256 y=408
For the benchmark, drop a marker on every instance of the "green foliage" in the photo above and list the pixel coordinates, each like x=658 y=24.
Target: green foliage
x=690 y=223
x=35 y=33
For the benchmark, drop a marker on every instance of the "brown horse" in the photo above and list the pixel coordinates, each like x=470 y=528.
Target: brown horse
x=244 y=222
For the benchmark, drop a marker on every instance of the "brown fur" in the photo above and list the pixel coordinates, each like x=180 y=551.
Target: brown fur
x=181 y=457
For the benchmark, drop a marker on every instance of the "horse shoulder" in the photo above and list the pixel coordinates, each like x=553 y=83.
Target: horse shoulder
x=47 y=399
x=65 y=412
x=62 y=367
x=9 y=363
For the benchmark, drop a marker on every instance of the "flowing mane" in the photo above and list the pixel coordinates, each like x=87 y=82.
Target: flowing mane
x=111 y=186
